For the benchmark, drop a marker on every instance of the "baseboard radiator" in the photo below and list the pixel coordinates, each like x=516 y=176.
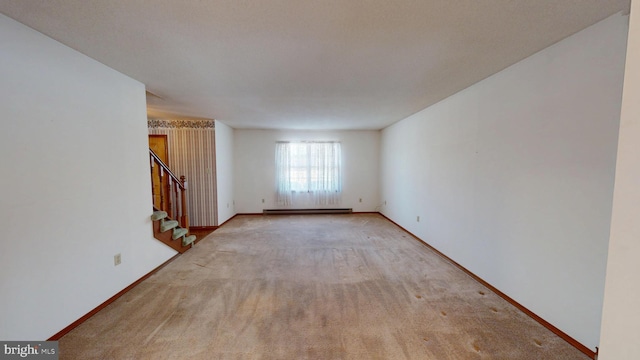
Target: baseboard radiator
x=306 y=211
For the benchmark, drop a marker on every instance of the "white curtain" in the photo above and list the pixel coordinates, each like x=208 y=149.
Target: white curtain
x=308 y=171
x=283 y=179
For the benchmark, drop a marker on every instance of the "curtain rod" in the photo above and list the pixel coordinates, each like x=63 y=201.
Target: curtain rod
x=307 y=141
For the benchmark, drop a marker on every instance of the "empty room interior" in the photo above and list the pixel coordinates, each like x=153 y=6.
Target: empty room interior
x=329 y=179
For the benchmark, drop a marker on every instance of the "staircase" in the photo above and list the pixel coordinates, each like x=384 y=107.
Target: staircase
x=169 y=202
x=169 y=232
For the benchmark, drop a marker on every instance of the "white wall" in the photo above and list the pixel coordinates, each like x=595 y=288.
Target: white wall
x=75 y=184
x=224 y=172
x=621 y=313
x=513 y=177
x=255 y=167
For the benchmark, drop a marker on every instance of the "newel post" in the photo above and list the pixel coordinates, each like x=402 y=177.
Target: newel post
x=185 y=216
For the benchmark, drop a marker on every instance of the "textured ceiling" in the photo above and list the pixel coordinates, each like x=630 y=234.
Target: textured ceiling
x=306 y=64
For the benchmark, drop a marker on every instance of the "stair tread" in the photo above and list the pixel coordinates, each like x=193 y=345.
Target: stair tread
x=179 y=232
x=168 y=225
x=158 y=215
x=188 y=240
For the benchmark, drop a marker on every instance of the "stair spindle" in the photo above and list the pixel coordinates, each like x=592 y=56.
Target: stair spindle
x=170 y=209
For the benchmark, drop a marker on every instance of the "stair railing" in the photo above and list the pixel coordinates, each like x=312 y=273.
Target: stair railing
x=172 y=195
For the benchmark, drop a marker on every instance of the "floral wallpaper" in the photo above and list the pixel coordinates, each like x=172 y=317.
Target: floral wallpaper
x=180 y=124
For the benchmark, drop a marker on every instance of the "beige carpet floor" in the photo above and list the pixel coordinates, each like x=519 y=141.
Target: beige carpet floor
x=311 y=287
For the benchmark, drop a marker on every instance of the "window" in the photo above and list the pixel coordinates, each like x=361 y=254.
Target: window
x=313 y=168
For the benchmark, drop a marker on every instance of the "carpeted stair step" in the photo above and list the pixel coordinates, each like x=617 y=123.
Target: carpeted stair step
x=158 y=215
x=179 y=232
x=187 y=240
x=168 y=225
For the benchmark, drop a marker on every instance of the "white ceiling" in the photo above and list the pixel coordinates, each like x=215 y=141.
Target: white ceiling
x=306 y=64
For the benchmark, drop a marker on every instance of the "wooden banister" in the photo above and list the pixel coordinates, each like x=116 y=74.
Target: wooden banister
x=171 y=194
